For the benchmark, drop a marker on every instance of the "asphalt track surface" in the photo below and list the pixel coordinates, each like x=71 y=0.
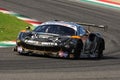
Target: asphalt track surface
x=16 y=67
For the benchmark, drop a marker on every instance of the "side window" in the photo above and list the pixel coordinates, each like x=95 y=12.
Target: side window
x=81 y=31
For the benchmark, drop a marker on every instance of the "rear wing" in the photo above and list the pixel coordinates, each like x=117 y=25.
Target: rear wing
x=105 y=27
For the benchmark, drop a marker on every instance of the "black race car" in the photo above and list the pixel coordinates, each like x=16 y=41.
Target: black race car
x=61 y=39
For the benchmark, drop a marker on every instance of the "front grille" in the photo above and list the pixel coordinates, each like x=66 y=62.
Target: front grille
x=42 y=39
x=41 y=48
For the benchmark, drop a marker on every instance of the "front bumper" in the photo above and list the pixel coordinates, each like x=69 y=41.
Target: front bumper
x=56 y=51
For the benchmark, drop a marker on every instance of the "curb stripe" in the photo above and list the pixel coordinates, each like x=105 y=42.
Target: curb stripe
x=24 y=18
x=3 y=9
x=103 y=3
x=5 y=44
x=111 y=2
x=33 y=22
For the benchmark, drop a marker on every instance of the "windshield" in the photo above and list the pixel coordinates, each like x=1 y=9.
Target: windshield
x=55 y=29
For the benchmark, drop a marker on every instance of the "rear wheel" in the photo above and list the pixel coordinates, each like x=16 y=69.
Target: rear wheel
x=101 y=48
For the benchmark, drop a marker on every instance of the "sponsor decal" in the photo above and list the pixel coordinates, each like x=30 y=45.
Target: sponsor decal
x=41 y=43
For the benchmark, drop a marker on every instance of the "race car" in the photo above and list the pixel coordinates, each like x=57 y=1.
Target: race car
x=61 y=39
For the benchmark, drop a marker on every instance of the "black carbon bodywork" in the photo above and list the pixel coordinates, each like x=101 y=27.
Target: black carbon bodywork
x=48 y=43
x=61 y=39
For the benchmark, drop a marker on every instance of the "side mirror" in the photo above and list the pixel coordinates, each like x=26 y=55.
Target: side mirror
x=28 y=28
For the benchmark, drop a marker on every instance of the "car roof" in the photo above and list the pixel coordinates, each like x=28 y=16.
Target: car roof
x=63 y=23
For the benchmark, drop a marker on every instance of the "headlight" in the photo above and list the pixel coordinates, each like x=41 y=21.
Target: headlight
x=31 y=41
x=17 y=40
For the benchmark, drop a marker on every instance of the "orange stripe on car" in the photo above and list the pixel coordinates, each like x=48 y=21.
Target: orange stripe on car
x=76 y=37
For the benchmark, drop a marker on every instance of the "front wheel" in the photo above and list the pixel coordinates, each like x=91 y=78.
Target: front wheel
x=78 y=49
x=21 y=51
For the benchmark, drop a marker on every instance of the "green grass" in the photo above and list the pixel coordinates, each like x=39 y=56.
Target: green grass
x=10 y=27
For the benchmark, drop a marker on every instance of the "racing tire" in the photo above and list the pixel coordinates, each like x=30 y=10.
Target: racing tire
x=78 y=48
x=100 y=54
x=100 y=49
x=20 y=50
